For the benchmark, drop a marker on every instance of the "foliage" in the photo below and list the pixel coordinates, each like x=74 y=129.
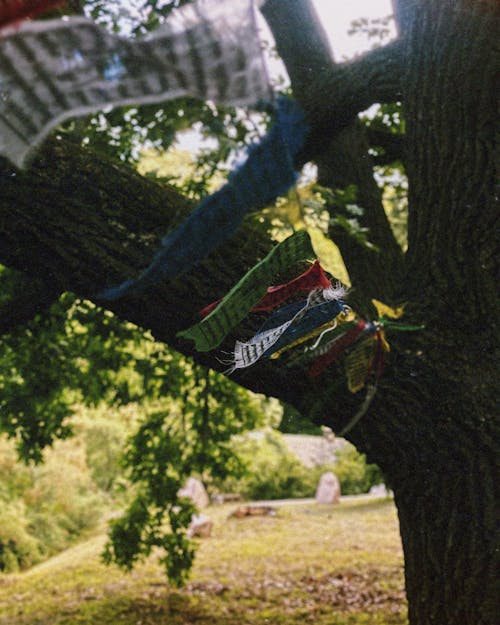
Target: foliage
x=189 y=415
x=292 y=422
x=191 y=437
x=76 y=353
x=33 y=405
x=18 y=548
x=355 y=474
x=43 y=509
x=104 y=431
x=376 y=29
x=344 y=212
x=274 y=472
x=190 y=419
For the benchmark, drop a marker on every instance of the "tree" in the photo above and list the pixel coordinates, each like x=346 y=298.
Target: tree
x=77 y=221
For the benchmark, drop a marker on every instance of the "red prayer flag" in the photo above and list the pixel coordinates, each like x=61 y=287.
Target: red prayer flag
x=12 y=11
x=339 y=346
x=313 y=278
x=377 y=366
x=204 y=312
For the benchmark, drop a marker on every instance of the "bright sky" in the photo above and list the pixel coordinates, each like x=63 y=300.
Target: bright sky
x=337 y=15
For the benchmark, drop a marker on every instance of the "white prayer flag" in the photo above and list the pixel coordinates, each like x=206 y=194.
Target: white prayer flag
x=53 y=70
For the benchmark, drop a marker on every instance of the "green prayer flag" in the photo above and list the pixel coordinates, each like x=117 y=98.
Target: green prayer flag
x=240 y=300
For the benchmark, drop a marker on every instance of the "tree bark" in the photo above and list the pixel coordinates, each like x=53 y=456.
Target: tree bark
x=433 y=427
x=446 y=501
x=447 y=521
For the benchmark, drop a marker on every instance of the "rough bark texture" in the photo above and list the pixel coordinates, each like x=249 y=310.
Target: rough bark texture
x=446 y=493
x=76 y=222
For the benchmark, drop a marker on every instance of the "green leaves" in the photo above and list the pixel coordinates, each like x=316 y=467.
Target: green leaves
x=157 y=517
x=189 y=437
x=78 y=353
x=74 y=353
x=344 y=212
x=35 y=372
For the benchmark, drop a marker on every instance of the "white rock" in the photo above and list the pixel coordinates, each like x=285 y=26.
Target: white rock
x=328 y=490
x=201 y=525
x=380 y=490
x=193 y=489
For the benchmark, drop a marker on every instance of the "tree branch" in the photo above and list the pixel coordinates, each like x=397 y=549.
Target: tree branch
x=86 y=223
x=300 y=39
x=392 y=144
x=28 y=298
x=332 y=95
x=374 y=272
x=83 y=223
x=339 y=93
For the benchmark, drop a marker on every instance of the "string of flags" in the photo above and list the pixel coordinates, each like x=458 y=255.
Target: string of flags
x=309 y=323
x=247 y=293
x=266 y=173
x=208 y=49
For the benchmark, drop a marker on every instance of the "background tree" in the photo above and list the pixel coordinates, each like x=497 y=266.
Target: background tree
x=78 y=221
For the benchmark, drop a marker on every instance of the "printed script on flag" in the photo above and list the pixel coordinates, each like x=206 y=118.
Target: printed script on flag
x=57 y=69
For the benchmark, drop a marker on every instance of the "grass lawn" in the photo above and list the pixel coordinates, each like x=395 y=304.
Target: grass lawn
x=310 y=564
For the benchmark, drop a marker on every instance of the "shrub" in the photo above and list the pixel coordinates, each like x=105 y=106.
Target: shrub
x=18 y=548
x=354 y=474
x=43 y=509
x=105 y=440
x=66 y=498
x=274 y=472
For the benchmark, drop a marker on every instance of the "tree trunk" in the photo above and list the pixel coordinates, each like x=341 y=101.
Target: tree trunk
x=434 y=430
x=433 y=426
x=447 y=521
x=445 y=423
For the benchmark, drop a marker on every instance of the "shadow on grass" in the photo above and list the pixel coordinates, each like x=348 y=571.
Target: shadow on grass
x=167 y=607
x=309 y=565
x=352 y=507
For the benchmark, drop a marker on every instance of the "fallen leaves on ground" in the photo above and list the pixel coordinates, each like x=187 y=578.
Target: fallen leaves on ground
x=347 y=591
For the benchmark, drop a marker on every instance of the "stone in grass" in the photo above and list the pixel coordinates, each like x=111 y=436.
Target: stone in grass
x=201 y=526
x=328 y=490
x=220 y=498
x=380 y=490
x=253 y=510
x=195 y=491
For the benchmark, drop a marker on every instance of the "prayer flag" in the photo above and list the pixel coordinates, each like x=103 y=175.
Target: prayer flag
x=11 y=11
x=267 y=172
x=235 y=306
x=338 y=347
x=312 y=278
x=55 y=69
